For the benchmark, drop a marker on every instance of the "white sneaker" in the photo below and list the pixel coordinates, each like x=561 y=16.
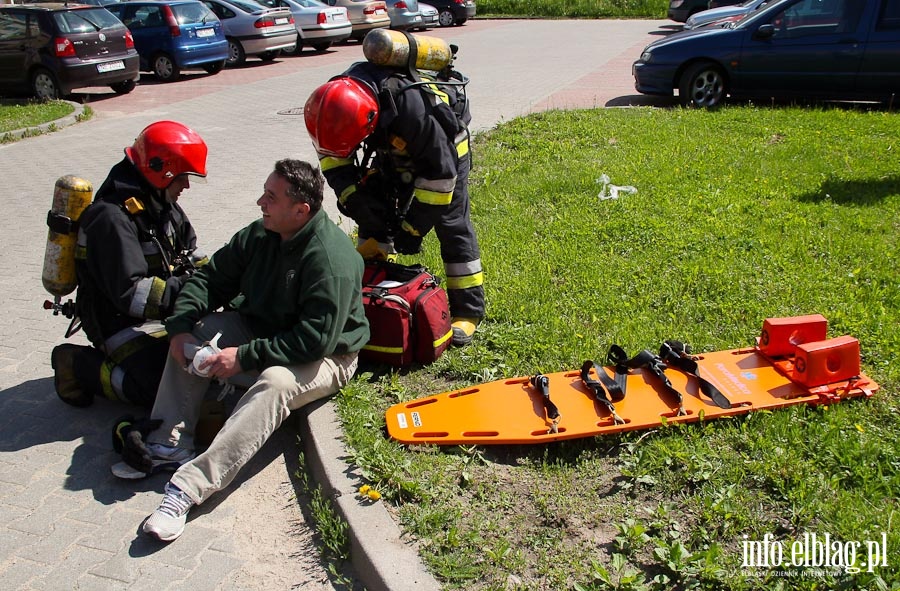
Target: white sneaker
x=167 y=522
x=165 y=459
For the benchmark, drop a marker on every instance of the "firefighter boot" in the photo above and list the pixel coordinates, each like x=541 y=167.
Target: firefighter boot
x=463 y=330
x=70 y=363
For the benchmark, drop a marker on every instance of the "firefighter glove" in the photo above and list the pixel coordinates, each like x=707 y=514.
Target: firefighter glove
x=129 y=438
x=407 y=240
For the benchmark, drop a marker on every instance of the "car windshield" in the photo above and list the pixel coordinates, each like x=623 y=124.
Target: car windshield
x=85 y=21
x=192 y=13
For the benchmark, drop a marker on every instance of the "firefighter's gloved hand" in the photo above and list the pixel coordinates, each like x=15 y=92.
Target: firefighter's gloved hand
x=131 y=436
x=407 y=240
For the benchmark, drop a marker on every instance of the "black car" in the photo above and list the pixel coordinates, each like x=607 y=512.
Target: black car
x=453 y=12
x=807 y=49
x=52 y=49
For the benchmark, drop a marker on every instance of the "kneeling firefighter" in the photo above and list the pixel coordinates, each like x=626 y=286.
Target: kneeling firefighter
x=392 y=138
x=135 y=248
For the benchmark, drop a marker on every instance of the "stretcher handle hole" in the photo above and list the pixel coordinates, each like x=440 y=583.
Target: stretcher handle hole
x=481 y=433
x=463 y=393
x=543 y=433
x=417 y=403
x=609 y=421
x=430 y=434
x=673 y=414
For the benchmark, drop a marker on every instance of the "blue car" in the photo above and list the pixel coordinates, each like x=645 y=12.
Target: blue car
x=807 y=49
x=173 y=35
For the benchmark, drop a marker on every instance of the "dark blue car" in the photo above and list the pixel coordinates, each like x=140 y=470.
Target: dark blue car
x=809 y=49
x=173 y=35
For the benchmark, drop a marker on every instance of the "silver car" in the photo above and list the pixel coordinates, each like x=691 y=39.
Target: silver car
x=429 y=16
x=318 y=25
x=254 y=29
x=365 y=15
x=714 y=15
x=404 y=14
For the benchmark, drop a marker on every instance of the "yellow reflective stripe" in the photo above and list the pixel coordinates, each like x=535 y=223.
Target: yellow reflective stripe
x=462 y=148
x=330 y=162
x=345 y=194
x=440 y=93
x=443 y=339
x=433 y=197
x=106 y=385
x=465 y=281
x=391 y=350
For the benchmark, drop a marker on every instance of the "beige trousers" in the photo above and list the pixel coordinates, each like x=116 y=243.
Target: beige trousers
x=274 y=393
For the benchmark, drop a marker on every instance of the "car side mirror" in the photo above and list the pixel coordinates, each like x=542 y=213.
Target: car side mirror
x=765 y=31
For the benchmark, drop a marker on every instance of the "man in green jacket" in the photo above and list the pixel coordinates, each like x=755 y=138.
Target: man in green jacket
x=297 y=331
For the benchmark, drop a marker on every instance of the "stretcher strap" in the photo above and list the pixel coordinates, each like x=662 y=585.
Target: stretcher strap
x=542 y=384
x=596 y=388
x=676 y=354
x=646 y=359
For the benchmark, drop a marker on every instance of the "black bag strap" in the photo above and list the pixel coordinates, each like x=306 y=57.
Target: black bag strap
x=676 y=354
x=596 y=388
x=542 y=384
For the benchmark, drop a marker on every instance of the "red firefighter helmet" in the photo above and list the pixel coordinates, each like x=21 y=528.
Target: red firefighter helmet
x=339 y=115
x=166 y=149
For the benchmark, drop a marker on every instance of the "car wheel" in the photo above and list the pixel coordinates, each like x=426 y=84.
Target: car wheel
x=702 y=85
x=165 y=68
x=269 y=56
x=320 y=47
x=214 y=67
x=123 y=87
x=461 y=22
x=294 y=49
x=43 y=85
x=445 y=18
x=236 y=55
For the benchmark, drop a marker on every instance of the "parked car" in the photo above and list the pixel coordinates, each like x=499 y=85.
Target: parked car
x=722 y=14
x=318 y=25
x=404 y=14
x=174 y=35
x=429 y=16
x=811 y=49
x=52 y=49
x=454 y=12
x=681 y=10
x=365 y=15
x=254 y=29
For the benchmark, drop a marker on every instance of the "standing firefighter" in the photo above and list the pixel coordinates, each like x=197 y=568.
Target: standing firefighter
x=393 y=143
x=134 y=251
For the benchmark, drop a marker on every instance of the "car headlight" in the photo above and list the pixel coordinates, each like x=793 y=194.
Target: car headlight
x=676 y=3
x=646 y=56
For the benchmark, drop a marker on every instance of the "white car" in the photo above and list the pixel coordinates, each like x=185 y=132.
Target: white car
x=722 y=13
x=429 y=16
x=318 y=25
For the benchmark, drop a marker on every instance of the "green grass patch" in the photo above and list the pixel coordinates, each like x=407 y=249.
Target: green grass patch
x=13 y=117
x=574 y=8
x=741 y=214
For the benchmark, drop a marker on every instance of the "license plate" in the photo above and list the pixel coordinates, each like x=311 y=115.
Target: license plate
x=111 y=66
x=380 y=11
x=281 y=21
x=206 y=32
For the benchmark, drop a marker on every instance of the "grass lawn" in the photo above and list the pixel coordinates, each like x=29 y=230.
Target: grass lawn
x=740 y=214
x=30 y=114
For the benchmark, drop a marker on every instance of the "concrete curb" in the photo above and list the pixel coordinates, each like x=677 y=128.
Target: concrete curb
x=48 y=127
x=381 y=560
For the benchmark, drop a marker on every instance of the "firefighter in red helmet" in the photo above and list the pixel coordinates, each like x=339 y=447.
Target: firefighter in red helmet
x=134 y=250
x=393 y=144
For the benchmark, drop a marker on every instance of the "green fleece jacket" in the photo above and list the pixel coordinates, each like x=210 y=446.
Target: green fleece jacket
x=301 y=297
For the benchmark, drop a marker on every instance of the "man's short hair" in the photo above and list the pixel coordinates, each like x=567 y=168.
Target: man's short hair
x=307 y=185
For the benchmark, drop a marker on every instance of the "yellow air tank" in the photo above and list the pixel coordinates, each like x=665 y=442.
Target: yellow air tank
x=71 y=196
x=385 y=47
